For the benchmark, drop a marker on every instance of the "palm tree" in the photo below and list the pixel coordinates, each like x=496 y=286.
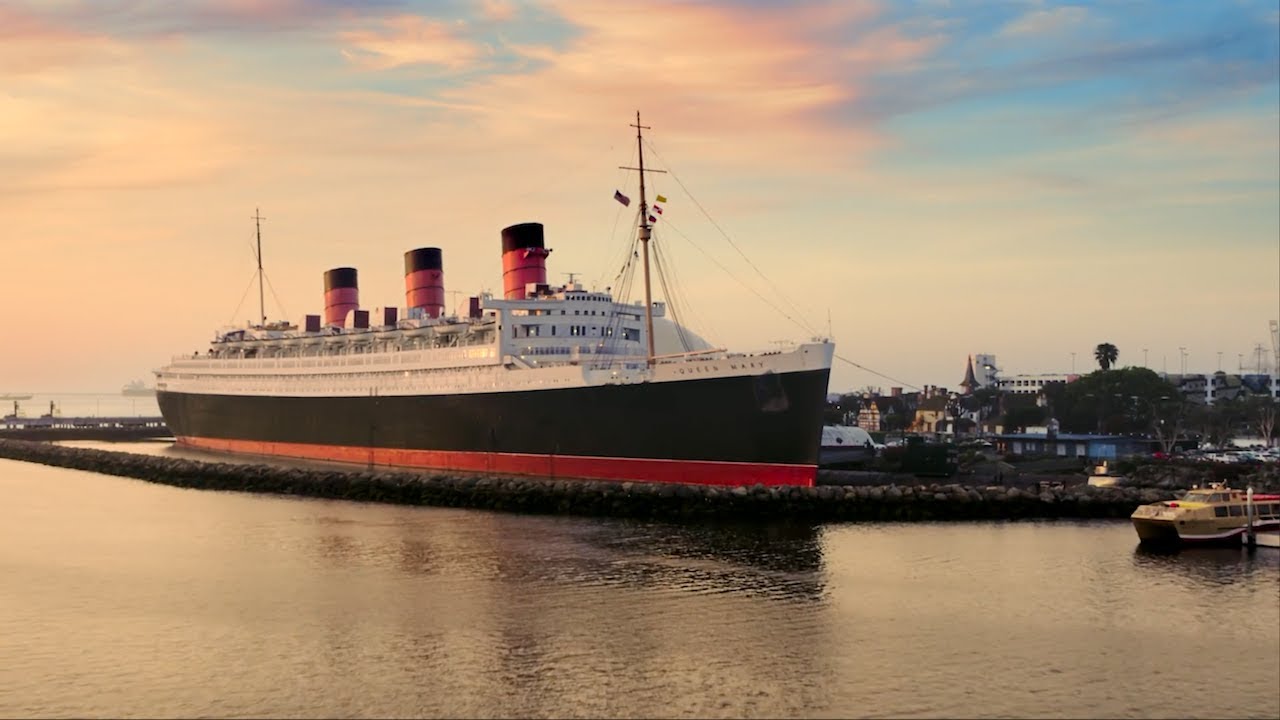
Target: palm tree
x=1106 y=355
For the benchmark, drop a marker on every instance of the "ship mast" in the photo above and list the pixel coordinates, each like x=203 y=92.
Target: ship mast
x=262 y=307
x=645 y=234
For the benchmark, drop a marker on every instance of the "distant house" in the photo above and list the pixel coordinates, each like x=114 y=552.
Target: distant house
x=930 y=411
x=1092 y=447
x=877 y=413
x=881 y=413
x=869 y=415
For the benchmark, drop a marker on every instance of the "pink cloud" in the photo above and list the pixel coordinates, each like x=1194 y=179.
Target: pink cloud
x=30 y=44
x=408 y=40
x=741 y=83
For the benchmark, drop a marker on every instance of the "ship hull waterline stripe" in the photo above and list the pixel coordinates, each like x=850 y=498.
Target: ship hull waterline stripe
x=698 y=472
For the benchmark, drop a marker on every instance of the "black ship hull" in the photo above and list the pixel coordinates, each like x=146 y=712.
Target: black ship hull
x=742 y=430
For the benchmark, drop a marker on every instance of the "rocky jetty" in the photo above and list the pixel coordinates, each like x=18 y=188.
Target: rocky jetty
x=890 y=501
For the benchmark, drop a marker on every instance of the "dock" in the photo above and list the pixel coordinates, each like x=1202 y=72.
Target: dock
x=1267 y=538
x=83 y=428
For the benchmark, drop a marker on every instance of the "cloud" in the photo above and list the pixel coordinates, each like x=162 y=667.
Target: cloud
x=1149 y=73
x=1046 y=22
x=498 y=10
x=162 y=18
x=56 y=138
x=31 y=44
x=740 y=82
x=408 y=40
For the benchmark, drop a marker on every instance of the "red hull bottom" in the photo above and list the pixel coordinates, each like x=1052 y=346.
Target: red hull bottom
x=698 y=472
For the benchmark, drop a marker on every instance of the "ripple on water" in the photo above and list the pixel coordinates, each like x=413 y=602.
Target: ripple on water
x=123 y=598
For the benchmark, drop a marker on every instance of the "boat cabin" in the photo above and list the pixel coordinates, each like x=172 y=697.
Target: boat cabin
x=1227 y=502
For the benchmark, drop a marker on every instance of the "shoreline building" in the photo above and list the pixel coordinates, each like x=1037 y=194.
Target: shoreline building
x=1032 y=384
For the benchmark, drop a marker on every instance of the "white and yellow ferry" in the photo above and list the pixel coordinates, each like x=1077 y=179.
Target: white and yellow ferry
x=1205 y=516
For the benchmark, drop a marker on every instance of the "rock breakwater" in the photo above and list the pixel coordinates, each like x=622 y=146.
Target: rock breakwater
x=891 y=502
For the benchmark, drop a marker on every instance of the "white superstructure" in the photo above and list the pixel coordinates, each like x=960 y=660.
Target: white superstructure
x=568 y=337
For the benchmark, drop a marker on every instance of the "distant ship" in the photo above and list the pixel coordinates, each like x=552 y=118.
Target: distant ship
x=137 y=389
x=14 y=396
x=548 y=381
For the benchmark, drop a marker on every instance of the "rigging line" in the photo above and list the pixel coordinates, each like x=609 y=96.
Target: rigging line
x=730 y=273
x=274 y=296
x=243 y=295
x=609 y=252
x=615 y=323
x=776 y=289
x=620 y=283
x=671 y=302
x=699 y=326
x=630 y=254
x=613 y=234
x=873 y=372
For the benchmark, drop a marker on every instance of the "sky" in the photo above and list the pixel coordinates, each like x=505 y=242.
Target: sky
x=920 y=181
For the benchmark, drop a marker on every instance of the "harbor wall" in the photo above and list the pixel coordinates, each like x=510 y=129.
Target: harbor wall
x=881 y=502
x=111 y=429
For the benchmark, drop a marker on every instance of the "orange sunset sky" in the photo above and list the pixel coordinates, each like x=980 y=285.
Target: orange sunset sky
x=927 y=179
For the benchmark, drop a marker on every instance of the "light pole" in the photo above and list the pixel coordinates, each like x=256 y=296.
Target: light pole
x=1073 y=363
x=1183 y=352
x=1219 y=361
x=1144 y=358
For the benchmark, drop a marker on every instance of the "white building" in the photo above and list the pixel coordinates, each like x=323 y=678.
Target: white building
x=985 y=370
x=1032 y=384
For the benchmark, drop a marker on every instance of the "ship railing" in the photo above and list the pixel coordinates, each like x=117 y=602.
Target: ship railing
x=690 y=354
x=466 y=355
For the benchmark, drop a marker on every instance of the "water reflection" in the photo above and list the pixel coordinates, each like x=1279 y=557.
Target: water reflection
x=781 y=561
x=542 y=608
x=1208 y=566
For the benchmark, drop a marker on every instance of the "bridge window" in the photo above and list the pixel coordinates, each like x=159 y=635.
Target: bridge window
x=1236 y=511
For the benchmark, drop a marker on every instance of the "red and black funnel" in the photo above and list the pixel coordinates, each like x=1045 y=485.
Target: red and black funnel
x=341 y=295
x=524 y=258
x=424 y=281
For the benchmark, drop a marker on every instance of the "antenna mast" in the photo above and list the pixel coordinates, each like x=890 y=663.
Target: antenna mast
x=645 y=234
x=262 y=307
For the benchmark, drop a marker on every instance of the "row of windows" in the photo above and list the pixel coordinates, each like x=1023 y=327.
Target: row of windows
x=357 y=348
x=520 y=331
x=1259 y=509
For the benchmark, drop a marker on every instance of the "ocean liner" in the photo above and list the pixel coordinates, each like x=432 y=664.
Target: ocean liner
x=547 y=381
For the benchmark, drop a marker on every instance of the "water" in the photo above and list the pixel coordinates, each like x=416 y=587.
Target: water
x=125 y=599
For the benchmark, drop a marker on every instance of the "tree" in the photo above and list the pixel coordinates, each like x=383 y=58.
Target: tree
x=1109 y=401
x=1169 y=417
x=1217 y=422
x=985 y=402
x=1020 y=412
x=1261 y=412
x=1106 y=355
x=1019 y=418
